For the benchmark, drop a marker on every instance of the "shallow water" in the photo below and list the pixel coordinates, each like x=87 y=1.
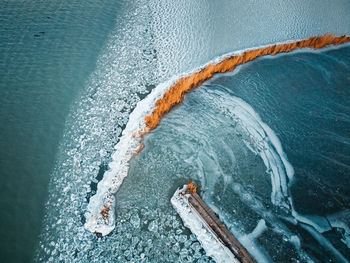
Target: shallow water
x=66 y=95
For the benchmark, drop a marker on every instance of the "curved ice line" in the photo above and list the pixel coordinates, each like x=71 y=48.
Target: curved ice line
x=264 y=141
x=100 y=214
x=126 y=149
x=281 y=171
x=268 y=146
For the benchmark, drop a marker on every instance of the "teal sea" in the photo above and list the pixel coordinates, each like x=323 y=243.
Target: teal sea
x=48 y=49
x=71 y=73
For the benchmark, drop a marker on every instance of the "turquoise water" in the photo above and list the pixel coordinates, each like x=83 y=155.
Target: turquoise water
x=47 y=51
x=71 y=73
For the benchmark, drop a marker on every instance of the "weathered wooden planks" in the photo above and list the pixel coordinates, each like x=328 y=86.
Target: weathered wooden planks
x=218 y=228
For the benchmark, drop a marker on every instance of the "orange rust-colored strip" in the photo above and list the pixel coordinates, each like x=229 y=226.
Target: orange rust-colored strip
x=175 y=94
x=191 y=188
x=105 y=211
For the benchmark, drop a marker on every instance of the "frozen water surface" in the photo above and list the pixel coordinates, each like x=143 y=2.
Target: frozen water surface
x=205 y=139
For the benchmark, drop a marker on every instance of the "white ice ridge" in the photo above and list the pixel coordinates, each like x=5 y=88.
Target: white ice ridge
x=269 y=147
x=100 y=214
x=128 y=146
x=262 y=140
x=212 y=246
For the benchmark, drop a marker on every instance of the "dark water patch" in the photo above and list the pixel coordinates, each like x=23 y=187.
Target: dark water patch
x=305 y=99
x=335 y=235
x=103 y=167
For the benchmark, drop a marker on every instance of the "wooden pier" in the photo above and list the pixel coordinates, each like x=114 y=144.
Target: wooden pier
x=213 y=223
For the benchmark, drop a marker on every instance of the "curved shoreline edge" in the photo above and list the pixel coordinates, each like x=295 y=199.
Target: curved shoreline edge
x=176 y=92
x=100 y=214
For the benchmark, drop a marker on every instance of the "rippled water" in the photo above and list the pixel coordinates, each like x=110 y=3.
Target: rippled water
x=103 y=57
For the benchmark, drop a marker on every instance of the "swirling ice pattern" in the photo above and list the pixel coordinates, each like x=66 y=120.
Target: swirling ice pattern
x=260 y=140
